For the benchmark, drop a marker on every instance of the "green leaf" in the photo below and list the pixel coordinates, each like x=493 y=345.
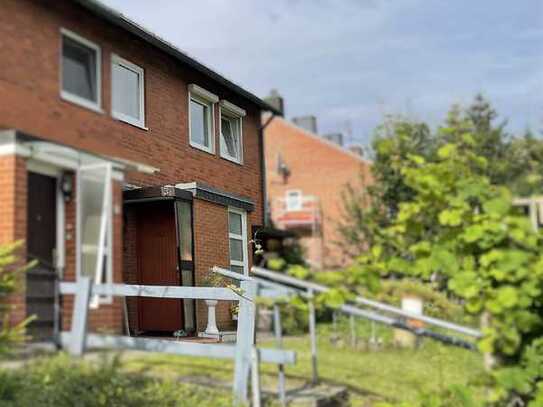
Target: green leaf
x=447 y=151
x=507 y=296
x=497 y=207
x=486 y=345
x=473 y=233
x=451 y=217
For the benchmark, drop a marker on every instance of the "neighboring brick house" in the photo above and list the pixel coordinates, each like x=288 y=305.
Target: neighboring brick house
x=123 y=159
x=306 y=175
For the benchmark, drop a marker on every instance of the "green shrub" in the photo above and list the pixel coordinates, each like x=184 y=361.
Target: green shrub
x=10 y=276
x=64 y=382
x=436 y=303
x=294 y=320
x=454 y=396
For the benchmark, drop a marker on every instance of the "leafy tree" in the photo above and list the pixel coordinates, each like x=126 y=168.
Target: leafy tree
x=356 y=225
x=393 y=144
x=515 y=162
x=491 y=141
x=525 y=165
x=366 y=210
x=462 y=230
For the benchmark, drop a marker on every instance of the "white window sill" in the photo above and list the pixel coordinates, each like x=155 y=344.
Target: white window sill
x=76 y=100
x=96 y=302
x=201 y=147
x=231 y=159
x=125 y=119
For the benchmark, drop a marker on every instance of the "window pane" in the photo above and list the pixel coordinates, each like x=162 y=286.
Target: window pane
x=199 y=123
x=126 y=91
x=92 y=185
x=230 y=140
x=79 y=69
x=294 y=200
x=184 y=217
x=236 y=250
x=237 y=269
x=234 y=223
x=188 y=304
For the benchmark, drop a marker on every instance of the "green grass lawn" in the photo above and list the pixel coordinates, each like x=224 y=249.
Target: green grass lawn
x=378 y=375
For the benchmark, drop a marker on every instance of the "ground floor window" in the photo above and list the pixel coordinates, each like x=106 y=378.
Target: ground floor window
x=237 y=234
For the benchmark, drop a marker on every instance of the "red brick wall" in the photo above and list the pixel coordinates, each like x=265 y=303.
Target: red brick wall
x=30 y=88
x=30 y=38
x=13 y=185
x=317 y=168
x=211 y=249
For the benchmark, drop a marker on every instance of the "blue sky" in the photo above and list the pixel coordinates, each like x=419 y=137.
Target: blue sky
x=350 y=62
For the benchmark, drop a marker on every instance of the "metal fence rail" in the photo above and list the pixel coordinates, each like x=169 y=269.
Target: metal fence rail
x=243 y=352
x=310 y=286
x=273 y=284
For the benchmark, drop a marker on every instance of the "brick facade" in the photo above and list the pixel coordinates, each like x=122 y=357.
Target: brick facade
x=13 y=219
x=318 y=168
x=30 y=51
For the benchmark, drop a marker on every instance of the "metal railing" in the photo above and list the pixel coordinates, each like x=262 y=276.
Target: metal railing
x=243 y=352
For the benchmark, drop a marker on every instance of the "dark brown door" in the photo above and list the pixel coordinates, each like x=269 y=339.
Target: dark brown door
x=157 y=265
x=41 y=243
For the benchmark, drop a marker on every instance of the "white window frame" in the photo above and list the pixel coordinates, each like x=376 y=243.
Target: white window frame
x=232 y=112
x=299 y=203
x=242 y=238
x=202 y=96
x=70 y=97
x=117 y=60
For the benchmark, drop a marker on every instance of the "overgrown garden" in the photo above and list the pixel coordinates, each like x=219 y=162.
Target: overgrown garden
x=441 y=213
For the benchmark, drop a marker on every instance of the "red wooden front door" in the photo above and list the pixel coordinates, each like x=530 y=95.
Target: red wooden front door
x=157 y=265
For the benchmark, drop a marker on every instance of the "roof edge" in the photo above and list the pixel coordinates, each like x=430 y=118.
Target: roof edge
x=124 y=22
x=329 y=143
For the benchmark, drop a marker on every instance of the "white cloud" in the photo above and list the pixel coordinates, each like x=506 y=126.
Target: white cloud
x=354 y=60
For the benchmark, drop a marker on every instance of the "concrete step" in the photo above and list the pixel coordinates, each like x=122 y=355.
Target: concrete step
x=319 y=396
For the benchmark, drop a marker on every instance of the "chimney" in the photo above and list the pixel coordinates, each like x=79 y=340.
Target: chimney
x=276 y=100
x=308 y=123
x=336 y=138
x=357 y=149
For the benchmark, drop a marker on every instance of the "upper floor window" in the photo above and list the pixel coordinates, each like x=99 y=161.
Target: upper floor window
x=231 y=144
x=80 y=70
x=294 y=200
x=127 y=92
x=237 y=236
x=201 y=118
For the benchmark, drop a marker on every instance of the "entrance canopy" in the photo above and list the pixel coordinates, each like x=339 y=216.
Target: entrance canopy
x=94 y=197
x=61 y=155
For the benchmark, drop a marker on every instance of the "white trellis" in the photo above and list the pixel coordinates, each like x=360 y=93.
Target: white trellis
x=243 y=352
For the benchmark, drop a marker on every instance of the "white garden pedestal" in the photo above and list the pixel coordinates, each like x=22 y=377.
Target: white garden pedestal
x=211 y=328
x=212 y=331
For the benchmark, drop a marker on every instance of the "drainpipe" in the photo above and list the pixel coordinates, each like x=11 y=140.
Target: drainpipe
x=263 y=167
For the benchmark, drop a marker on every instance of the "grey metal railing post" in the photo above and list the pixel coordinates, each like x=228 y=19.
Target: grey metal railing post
x=255 y=377
x=279 y=340
x=313 y=336
x=245 y=341
x=352 y=322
